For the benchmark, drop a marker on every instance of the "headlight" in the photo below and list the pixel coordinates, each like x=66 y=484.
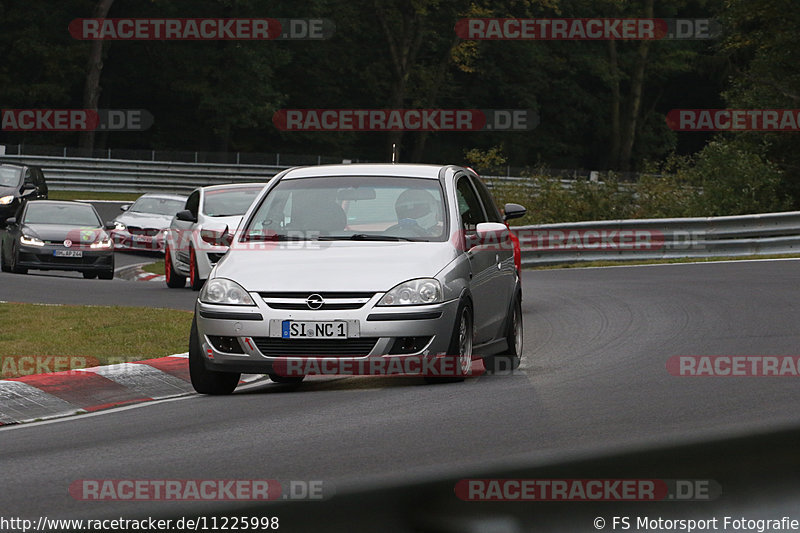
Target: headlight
x=5 y=200
x=415 y=292
x=224 y=291
x=102 y=244
x=119 y=226
x=27 y=240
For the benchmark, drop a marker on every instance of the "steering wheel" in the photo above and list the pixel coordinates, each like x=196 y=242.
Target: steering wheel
x=408 y=225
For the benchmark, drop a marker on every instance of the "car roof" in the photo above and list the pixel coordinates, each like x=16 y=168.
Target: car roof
x=235 y=185
x=367 y=169
x=160 y=195
x=59 y=202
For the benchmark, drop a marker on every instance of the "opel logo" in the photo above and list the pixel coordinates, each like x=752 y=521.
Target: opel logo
x=315 y=301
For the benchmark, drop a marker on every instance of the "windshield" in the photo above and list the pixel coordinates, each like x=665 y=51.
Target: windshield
x=157 y=206
x=229 y=202
x=9 y=176
x=64 y=214
x=350 y=207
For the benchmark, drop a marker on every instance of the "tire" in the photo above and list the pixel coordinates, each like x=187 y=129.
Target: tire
x=207 y=381
x=174 y=280
x=3 y=264
x=460 y=345
x=108 y=274
x=89 y=275
x=194 y=278
x=508 y=360
x=13 y=267
x=291 y=380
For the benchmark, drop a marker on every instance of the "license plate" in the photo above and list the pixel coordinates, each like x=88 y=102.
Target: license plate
x=142 y=239
x=295 y=329
x=68 y=253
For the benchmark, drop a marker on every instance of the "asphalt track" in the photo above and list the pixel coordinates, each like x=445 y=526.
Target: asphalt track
x=593 y=382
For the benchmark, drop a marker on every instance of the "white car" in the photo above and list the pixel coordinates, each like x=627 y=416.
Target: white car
x=143 y=224
x=186 y=255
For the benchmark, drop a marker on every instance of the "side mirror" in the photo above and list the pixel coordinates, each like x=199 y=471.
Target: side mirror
x=109 y=225
x=513 y=211
x=216 y=234
x=124 y=207
x=11 y=221
x=187 y=216
x=491 y=233
x=27 y=187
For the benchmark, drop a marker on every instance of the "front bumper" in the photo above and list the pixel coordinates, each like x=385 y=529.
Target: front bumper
x=43 y=258
x=126 y=241
x=375 y=333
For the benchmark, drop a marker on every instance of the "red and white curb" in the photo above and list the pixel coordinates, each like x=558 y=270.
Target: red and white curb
x=148 y=276
x=136 y=273
x=58 y=394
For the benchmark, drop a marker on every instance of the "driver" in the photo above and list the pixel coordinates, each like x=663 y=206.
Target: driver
x=416 y=207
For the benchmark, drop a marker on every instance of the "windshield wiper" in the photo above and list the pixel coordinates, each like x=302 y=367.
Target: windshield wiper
x=272 y=237
x=367 y=237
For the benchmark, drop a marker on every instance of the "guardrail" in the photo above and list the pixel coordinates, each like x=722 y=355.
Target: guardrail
x=667 y=238
x=122 y=175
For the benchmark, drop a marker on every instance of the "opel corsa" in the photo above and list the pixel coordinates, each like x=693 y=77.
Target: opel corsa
x=349 y=263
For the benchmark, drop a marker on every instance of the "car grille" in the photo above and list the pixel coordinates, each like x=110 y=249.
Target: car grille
x=333 y=300
x=52 y=260
x=277 y=347
x=136 y=230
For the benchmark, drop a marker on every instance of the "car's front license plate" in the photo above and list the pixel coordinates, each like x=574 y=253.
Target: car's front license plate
x=296 y=329
x=141 y=239
x=68 y=253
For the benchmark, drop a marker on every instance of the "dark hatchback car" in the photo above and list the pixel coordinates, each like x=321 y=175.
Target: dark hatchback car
x=18 y=184
x=58 y=235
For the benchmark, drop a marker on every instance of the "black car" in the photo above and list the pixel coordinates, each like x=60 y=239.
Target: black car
x=58 y=235
x=18 y=184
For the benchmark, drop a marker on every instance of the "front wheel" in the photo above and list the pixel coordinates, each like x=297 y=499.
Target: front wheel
x=4 y=266
x=207 y=381
x=460 y=348
x=173 y=279
x=89 y=275
x=14 y=267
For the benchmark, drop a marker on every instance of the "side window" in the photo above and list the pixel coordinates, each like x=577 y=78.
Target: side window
x=492 y=214
x=28 y=177
x=469 y=207
x=193 y=202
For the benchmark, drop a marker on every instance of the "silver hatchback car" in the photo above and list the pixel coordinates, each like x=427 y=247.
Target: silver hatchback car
x=347 y=265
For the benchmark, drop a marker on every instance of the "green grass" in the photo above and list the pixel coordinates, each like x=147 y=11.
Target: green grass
x=589 y=264
x=106 y=334
x=91 y=195
x=155 y=268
